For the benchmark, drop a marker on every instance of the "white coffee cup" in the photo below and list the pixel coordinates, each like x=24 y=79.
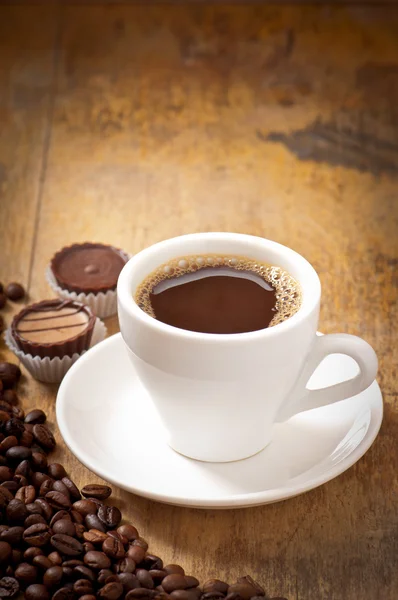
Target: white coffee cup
x=219 y=395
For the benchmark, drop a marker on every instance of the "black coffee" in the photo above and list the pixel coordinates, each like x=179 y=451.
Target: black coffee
x=210 y=294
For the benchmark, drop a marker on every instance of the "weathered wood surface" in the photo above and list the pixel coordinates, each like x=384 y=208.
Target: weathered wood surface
x=131 y=124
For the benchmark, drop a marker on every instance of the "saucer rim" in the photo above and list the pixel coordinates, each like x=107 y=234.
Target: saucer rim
x=234 y=500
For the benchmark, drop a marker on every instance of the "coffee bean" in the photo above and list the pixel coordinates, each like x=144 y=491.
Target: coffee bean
x=111 y=591
x=23 y=468
x=145 y=579
x=101 y=492
x=84 y=572
x=152 y=562
x=245 y=590
x=37 y=535
x=113 y=548
x=46 y=486
x=26 y=574
x=13 y=535
x=47 y=511
x=8 y=443
x=9 y=374
x=141 y=593
x=88 y=597
x=136 y=553
x=93 y=522
x=26 y=494
x=103 y=575
x=80 y=529
x=26 y=439
x=157 y=575
x=191 y=581
x=72 y=563
x=53 y=576
x=110 y=516
x=82 y=586
x=65 y=544
x=56 y=471
x=5 y=552
x=126 y=565
x=14 y=427
x=38 y=478
x=44 y=437
x=95 y=536
x=30 y=553
x=18 y=413
x=61 y=514
x=37 y=591
x=73 y=491
x=36 y=417
x=64 y=593
x=85 y=507
x=7 y=489
x=55 y=558
x=76 y=517
x=33 y=520
x=174 y=569
x=17 y=454
x=9 y=587
x=14 y=291
x=64 y=526
x=38 y=461
x=58 y=501
x=97 y=560
x=191 y=594
x=88 y=546
x=16 y=512
x=10 y=396
x=5 y=474
x=140 y=542
x=174 y=582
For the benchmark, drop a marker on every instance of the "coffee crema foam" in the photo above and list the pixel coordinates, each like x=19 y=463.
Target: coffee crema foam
x=287 y=289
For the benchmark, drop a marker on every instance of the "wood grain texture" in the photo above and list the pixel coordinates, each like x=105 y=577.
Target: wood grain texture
x=274 y=121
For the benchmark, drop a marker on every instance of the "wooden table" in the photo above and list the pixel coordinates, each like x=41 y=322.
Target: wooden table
x=129 y=124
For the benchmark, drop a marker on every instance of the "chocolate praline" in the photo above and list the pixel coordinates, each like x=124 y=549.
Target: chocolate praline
x=53 y=328
x=88 y=267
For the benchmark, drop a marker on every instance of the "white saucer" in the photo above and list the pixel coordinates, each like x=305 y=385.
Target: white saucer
x=108 y=421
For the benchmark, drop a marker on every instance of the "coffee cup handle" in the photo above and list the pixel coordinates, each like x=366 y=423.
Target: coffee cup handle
x=302 y=398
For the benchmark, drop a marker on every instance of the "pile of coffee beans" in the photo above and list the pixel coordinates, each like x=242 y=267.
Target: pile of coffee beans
x=59 y=543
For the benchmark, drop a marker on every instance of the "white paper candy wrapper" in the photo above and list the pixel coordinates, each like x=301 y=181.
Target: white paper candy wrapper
x=52 y=370
x=103 y=304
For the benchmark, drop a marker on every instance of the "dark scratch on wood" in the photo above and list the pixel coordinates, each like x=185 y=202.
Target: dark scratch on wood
x=327 y=143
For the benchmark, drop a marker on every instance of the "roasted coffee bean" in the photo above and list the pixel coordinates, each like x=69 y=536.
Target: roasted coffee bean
x=47 y=511
x=140 y=542
x=4 y=406
x=88 y=597
x=97 y=560
x=26 y=439
x=101 y=492
x=125 y=565
x=55 y=558
x=34 y=509
x=53 y=577
x=93 y=522
x=61 y=514
x=38 y=461
x=56 y=471
x=191 y=594
x=37 y=591
x=9 y=587
x=65 y=544
x=14 y=427
x=38 y=478
x=23 y=468
x=80 y=529
x=88 y=546
x=30 y=553
x=10 y=396
x=44 y=437
x=5 y=474
x=111 y=591
x=5 y=552
x=245 y=590
x=21 y=480
x=8 y=443
x=152 y=562
x=64 y=526
x=58 y=501
x=82 y=586
x=35 y=417
x=7 y=489
x=174 y=569
x=95 y=536
x=42 y=562
x=18 y=413
x=249 y=580
x=4 y=417
x=145 y=579
x=136 y=553
x=84 y=572
x=33 y=520
x=113 y=548
x=141 y=593
x=65 y=593
x=68 y=572
x=37 y=535
x=174 y=582
x=16 y=512
x=9 y=374
x=73 y=491
x=46 y=486
x=103 y=576
x=157 y=575
x=26 y=574
x=13 y=535
x=85 y=507
x=76 y=517
x=26 y=494
x=110 y=516
x=14 y=291
x=58 y=486
x=191 y=581
x=17 y=454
